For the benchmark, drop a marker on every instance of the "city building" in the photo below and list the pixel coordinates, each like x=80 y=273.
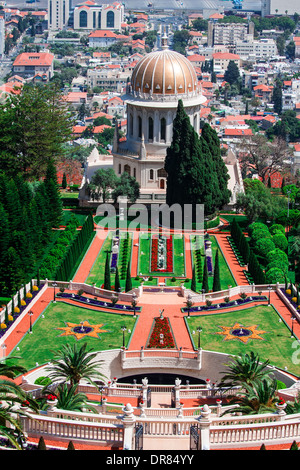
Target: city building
x=256 y=49
x=29 y=64
x=58 y=14
x=222 y=59
x=2 y=36
x=89 y=16
x=228 y=33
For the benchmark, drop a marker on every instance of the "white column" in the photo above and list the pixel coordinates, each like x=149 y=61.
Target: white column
x=128 y=421
x=205 y=422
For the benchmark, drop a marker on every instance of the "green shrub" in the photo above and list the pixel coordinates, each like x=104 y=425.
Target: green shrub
x=280 y=241
x=264 y=246
x=275 y=275
x=258 y=235
x=275 y=228
x=44 y=381
x=277 y=254
x=257 y=226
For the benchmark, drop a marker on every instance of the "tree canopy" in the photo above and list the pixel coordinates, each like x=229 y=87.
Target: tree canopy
x=34 y=125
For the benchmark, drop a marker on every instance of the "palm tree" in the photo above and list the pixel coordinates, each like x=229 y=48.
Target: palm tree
x=245 y=370
x=10 y=371
x=258 y=398
x=68 y=399
x=73 y=363
x=11 y=397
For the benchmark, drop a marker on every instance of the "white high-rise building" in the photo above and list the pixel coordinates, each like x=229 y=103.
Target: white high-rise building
x=58 y=14
x=2 y=36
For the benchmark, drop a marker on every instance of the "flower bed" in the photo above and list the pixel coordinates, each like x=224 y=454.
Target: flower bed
x=161 y=336
x=231 y=303
x=167 y=254
x=20 y=309
x=291 y=297
x=98 y=303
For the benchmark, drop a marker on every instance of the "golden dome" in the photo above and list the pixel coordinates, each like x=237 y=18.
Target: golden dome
x=165 y=73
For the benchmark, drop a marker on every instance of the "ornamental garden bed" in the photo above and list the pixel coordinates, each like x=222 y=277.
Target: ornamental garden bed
x=18 y=309
x=231 y=303
x=96 y=302
x=161 y=336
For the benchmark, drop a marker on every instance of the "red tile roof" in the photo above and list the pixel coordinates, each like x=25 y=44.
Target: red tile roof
x=101 y=33
x=34 y=58
x=238 y=132
x=226 y=55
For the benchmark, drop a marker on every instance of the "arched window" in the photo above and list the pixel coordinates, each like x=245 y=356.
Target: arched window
x=120 y=168
x=110 y=19
x=150 y=128
x=83 y=19
x=139 y=127
x=134 y=172
x=127 y=169
x=162 y=129
x=151 y=175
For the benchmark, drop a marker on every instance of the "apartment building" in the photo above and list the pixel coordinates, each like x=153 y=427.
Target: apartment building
x=58 y=14
x=256 y=49
x=110 y=79
x=228 y=33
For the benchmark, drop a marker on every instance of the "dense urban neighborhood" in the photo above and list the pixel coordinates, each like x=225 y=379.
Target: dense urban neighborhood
x=150 y=226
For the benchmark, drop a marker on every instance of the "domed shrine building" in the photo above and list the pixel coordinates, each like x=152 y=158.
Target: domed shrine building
x=158 y=81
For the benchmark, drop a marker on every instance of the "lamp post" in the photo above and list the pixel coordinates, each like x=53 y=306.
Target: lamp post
x=199 y=331
x=269 y=299
x=54 y=284
x=134 y=303
x=189 y=304
x=30 y=321
x=123 y=328
x=293 y=319
x=101 y=392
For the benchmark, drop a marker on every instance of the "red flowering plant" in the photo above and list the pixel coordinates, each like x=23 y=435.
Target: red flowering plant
x=281 y=401
x=25 y=403
x=51 y=397
x=161 y=336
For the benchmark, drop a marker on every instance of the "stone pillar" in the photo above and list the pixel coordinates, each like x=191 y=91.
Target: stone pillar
x=177 y=392
x=205 y=422
x=128 y=421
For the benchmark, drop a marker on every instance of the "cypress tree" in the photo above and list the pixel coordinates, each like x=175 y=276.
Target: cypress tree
x=128 y=286
x=191 y=178
x=210 y=136
x=107 y=281
x=64 y=181
x=117 y=281
x=216 y=281
x=194 y=283
x=71 y=446
x=205 y=286
x=41 y=444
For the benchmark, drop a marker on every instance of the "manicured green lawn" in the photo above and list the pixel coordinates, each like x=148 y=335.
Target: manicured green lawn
x=46 y=338
x=276 y=345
